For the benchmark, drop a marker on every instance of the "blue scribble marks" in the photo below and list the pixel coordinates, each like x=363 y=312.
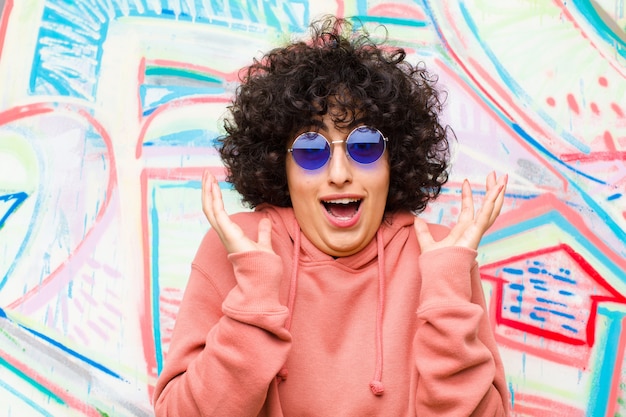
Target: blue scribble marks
x=9 y=204
x=72 y=35
x=69 y=49
x=191 y=137
x=549 y=293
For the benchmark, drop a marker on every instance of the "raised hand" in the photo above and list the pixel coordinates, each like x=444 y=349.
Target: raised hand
x=471 y=226
x=231 y=235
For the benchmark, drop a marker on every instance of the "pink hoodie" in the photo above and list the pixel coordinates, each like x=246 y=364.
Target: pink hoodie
x=385 y=332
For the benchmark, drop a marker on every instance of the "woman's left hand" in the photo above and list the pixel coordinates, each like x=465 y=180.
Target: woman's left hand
x=471 y=226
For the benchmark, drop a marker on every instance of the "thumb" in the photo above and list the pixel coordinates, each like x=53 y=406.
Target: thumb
x=265 y=234
x=424 y=238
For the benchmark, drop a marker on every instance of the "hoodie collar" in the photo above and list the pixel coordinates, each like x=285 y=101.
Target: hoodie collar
x=392 y=225
x=375 y=251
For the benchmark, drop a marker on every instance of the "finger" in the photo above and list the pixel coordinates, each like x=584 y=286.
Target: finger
x=491 y=180
x=499 y=202
x=467 y=203
x=207 y=197
x=492 y=202
x=222 y=220
x=265 y=234
x=424 y=238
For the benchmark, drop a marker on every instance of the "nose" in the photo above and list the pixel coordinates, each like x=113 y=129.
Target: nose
x=340 y=168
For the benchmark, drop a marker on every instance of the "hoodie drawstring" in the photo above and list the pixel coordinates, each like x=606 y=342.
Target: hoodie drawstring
x=282 y=374
x=376 y=385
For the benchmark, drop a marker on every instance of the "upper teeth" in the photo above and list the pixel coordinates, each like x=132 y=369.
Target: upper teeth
x=342 y=201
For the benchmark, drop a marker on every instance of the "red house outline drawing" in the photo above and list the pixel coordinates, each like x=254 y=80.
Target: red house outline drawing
x=573 y=297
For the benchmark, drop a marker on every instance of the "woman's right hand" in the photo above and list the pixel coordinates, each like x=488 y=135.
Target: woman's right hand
x=231 y=235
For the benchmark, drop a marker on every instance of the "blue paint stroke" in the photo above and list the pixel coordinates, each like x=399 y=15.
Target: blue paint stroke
x=607 y=364
x=564 y=279
x=18 y=199
x=191 y=137
x=386 y=20
x=62 y=347
x=561 y=314
x=551 y=302
x=590 y=13
x=73 y=353
x=154 y=280
x=556 y=218
x=536 y=317
x=569 y=328
x=29 y=401
x=614 y=197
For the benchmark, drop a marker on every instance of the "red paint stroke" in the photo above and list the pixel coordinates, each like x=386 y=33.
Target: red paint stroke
x=397 y=10
x=593 y=156
x=4 y=23
x=60 y=391
x=141 y=78
x=32 y=299
x=145 y=316
x=147 y=175
x=536 y=406
x=603 y=81
x=21 y=112
x=573 y=105
x=594 y=108
x=550 y=101
x=341 y=9
x=188 y=101
x=618 y=110
x=609 y=143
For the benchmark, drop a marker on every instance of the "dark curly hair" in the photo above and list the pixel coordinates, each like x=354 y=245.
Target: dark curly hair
x=361 y=82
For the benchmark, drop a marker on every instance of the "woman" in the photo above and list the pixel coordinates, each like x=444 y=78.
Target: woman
x=332 y=298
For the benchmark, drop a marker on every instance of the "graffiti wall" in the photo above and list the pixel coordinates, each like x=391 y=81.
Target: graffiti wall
x=109 y=110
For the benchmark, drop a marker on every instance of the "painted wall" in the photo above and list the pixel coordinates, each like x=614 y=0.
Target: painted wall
x=108 y=114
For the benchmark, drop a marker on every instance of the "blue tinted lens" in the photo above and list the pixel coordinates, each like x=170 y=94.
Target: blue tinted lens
x=310 y=150
x=365 y=145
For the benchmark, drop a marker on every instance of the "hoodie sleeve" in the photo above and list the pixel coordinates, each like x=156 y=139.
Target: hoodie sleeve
x=229 y=341
x=459 y=367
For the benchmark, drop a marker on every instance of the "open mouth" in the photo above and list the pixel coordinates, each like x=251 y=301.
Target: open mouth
x=342 y=209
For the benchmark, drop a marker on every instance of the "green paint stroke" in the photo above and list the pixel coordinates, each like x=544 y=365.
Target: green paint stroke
x=31 y=381
x=156 y=71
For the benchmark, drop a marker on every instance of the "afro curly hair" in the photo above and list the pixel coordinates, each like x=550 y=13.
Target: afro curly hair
x=340 y=69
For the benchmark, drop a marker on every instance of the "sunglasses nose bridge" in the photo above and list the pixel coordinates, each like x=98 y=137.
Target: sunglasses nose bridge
x=333 y=142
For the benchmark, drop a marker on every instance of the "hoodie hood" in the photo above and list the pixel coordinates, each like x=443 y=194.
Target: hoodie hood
x=393 y=226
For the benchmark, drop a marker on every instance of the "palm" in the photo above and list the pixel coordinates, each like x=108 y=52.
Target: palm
x=231 y=235
x=471 y=225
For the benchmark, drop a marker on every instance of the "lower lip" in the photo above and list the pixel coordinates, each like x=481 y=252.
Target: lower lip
x=342 y=223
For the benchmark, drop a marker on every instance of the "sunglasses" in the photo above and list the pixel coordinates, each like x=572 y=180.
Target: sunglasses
x=365 y=145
